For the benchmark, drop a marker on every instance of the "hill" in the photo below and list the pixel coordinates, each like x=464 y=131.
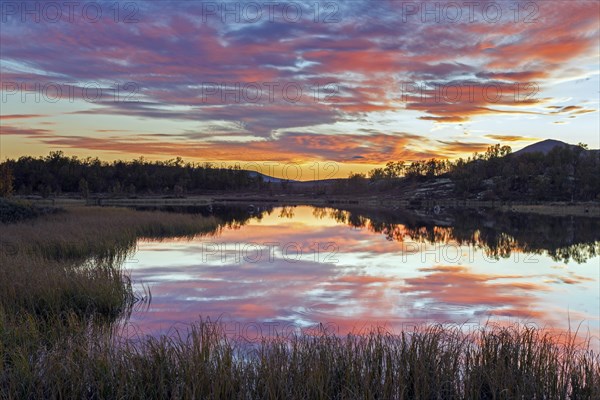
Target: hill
x=550 y=170
x=545 y=146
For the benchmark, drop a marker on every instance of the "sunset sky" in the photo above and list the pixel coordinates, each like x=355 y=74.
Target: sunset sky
x=214 y=81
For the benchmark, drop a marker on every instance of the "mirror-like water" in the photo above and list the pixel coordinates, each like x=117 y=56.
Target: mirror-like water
x=289 y=268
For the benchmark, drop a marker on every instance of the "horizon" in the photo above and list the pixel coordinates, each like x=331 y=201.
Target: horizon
x=362 y=83
x=318 y=170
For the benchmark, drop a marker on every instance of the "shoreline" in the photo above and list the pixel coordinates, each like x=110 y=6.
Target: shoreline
x=550 y=208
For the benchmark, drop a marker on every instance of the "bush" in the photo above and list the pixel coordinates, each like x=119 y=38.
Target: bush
x=11 y=211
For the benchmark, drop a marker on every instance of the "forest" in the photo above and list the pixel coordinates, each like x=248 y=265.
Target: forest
x=57 y=174
x=569 y=173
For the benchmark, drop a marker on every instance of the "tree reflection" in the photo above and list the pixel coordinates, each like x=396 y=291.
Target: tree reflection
x=498 y=234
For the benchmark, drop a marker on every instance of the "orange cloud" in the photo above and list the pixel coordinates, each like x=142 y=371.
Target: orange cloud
x=457 y=286
x=510 y=138
x=21 y=116
x=355 y=148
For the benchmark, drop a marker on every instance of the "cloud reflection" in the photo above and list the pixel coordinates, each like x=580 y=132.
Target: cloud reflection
x=371 y=284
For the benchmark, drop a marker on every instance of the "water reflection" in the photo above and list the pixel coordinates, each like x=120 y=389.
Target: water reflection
x=499 y=234
x=352 y=268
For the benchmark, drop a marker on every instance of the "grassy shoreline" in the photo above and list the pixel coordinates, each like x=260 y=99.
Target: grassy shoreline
x=70 y=260
x=550 y=208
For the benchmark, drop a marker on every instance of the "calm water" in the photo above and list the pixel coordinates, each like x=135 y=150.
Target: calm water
x=287 y=269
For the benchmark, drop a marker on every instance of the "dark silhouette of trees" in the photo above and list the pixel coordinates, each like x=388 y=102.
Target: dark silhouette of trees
x=6 y=180
x=355 y=183
x=569 y=173
x=57 y=173
x=564 y=173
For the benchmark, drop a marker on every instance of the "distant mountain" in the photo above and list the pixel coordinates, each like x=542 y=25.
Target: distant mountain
x=545 y=146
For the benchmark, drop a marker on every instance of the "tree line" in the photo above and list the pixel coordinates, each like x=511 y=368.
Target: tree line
x=56 y=174
x=566 y=173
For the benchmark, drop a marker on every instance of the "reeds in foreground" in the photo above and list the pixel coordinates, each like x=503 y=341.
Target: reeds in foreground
x=495 y=362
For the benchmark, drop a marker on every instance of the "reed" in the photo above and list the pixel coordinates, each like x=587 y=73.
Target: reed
x=70 y=262
x=435 y=362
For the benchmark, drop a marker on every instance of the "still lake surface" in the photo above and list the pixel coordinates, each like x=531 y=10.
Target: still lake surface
x=280 y=270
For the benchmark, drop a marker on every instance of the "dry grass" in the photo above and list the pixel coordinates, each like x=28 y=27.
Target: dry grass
x=82 y=232
x=69 y=262
x=430 y=363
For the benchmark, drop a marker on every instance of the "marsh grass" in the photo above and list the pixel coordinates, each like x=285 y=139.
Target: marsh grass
x=104 y=233
x=436 y=362
x=61 y=283
x=70 y=262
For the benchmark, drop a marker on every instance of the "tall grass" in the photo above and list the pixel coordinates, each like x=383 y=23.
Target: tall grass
x=83 y=232
x=61 y=285
x=70 y=262
x=430 y=363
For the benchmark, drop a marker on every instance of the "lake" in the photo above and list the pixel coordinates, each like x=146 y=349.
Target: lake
x=281 y=270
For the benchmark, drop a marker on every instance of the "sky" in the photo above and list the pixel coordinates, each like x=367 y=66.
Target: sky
x=324 y=87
